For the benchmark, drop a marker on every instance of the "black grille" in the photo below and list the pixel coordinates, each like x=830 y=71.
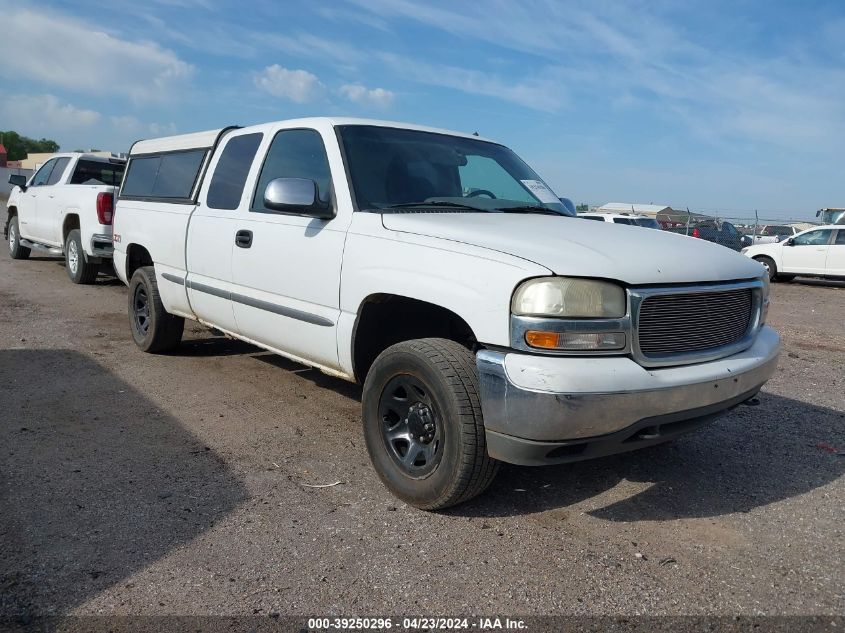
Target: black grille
x=693 y=322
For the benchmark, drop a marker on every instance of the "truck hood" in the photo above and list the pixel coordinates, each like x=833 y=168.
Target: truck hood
x=574 y=246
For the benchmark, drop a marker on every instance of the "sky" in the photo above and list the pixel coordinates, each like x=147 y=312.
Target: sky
x=720 y=106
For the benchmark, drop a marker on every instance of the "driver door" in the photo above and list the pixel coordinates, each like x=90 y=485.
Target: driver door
x=807 y=252
x=286 y=266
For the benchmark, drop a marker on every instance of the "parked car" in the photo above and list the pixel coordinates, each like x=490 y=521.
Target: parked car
x=778 y=232
x=716 y=231
x=66 y=207
x=818 y=252
x=436 y=268
x=622 y=218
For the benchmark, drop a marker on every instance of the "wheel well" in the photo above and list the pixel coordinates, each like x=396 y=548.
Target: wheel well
x=12 y=212
x=384 y=320
x=136 y=256
x=71 y=222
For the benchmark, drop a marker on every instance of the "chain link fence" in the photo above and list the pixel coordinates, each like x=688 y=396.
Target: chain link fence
x=735 y=231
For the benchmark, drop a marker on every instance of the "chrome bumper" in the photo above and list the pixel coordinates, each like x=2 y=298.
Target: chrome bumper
x=101 y=245
x=541 y=409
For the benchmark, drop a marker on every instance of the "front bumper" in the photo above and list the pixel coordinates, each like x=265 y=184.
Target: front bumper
x=544 y=409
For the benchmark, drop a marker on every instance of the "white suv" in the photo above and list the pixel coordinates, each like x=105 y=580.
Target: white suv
x=622 y=218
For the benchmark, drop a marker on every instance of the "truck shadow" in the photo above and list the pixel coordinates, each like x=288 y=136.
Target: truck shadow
x=822 y=283
x=750 y=458
x=97 y=482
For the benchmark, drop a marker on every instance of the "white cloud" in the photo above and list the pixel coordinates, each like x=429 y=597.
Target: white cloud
x=162 y=129
x=377 y=97
x=544 y=92
x=44 y=115
x=298 y=86
x=127 y=124
x=636 y=58
x=60 y=51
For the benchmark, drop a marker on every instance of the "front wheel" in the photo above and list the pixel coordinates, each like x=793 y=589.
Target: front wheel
x=16 y=250
x=79 y=269
x=153 y=328
x=769 y=264
x=423 y=425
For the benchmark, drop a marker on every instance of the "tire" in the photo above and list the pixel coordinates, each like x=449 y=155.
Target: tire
x=769 y=265
x=450 y=463
x=15 y=249
x=153 y=329
x=79 y=269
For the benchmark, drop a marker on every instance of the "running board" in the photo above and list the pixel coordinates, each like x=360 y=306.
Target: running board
x=52 y=250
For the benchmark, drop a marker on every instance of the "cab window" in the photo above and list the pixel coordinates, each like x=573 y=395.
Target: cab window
x=295 y=154
x=840 y=237
x=227 y=184
x=58 y=170
x=43 y=174
x=813 y=238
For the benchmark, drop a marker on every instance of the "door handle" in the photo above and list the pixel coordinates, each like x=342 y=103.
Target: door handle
x=243 y=239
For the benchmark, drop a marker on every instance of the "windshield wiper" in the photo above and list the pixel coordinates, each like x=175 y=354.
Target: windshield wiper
x=529 y=208
x=432 y=204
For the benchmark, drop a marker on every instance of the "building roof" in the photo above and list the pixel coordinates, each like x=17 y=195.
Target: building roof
x=639 y=209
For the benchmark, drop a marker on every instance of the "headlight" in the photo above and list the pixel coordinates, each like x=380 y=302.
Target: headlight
x=569 y=297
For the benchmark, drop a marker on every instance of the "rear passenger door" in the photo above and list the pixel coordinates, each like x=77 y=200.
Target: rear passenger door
x=50 y=203
x=286 y=266
x=212 y=228
x=836 y=255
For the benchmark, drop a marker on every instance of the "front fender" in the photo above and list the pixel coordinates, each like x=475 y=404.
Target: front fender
x=468 y=281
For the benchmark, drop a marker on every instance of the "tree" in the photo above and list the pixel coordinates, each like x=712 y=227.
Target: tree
x=17 y=146
x=582 y=207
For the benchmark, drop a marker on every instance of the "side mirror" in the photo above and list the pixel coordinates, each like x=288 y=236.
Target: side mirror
x=296 y=195
x=19 y=180
x=789 y=242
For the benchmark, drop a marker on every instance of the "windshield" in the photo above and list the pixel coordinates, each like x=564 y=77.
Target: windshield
x=833 y=216
x=776 y=230
x=390 y=168
x=650 y=223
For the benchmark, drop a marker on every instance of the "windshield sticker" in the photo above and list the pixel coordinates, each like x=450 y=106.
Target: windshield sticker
x=539 y=189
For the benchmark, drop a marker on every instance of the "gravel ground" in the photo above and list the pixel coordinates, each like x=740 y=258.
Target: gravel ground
x=138 y=484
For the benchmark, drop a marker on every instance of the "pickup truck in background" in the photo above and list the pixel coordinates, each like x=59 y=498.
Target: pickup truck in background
x=485 y=322
x=774 y=233
x=723 y=233
x=66 y=207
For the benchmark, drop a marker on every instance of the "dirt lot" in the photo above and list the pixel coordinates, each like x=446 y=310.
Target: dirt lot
x=137 y=484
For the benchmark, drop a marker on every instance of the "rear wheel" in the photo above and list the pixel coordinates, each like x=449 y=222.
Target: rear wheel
x=16 y=250
x=79 y=270
x=153 y=328
x=769 y=265
x=423 y=425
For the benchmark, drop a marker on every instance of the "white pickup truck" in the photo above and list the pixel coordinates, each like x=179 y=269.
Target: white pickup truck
x=485 y=322
x=66 y=208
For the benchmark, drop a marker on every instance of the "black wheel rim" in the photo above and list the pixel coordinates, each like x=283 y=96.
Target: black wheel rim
x=410 y=425
x=141 y=310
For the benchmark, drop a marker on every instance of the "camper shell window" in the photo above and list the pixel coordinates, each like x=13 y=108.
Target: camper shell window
x=165 y=177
